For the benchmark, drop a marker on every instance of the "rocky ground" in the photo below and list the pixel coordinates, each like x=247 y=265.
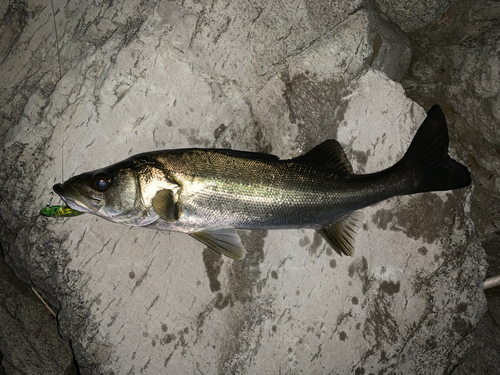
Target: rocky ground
x=85 y=85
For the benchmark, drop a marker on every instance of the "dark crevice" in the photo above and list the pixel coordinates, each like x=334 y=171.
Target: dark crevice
x=2 y=369
x=75 y=368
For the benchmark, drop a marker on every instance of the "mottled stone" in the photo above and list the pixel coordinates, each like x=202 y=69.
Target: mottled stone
x=274 y=77
x=410 y=15
x=29 y=341
x=456 y=63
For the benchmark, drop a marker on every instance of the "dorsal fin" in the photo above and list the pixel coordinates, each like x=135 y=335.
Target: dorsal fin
x=328 y=154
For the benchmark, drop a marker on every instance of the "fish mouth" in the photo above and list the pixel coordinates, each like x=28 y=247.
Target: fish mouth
x=73 y=198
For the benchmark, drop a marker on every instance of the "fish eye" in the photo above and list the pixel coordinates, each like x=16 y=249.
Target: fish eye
x=101 y=182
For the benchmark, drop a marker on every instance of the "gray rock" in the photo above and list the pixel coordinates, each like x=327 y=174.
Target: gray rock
x=29 y=341
x=277 y=78
x=483 y=357
x=457 y=63
x=410 y=15
x=391 y=47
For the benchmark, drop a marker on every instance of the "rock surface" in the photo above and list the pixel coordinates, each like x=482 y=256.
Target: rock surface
x=456 y=62
x=28 y=337
x=268 y=77
x=412 y=15
x=483 y=357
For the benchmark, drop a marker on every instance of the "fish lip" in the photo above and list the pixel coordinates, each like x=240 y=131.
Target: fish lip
x=72 y=197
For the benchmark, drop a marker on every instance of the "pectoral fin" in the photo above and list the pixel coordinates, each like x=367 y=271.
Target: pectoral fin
x=341 y=234
x=165 y=205
x=223 y=240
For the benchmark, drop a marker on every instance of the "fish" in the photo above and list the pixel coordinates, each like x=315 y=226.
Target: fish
x=210 y=193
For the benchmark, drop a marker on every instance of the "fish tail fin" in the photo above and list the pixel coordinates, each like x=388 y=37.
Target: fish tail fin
x=427 y=157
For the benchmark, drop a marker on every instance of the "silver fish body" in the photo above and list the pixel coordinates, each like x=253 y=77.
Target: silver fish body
x=217 y=188
x=209 y=193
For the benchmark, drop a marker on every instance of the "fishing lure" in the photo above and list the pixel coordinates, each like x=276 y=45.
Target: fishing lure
x=58 y=211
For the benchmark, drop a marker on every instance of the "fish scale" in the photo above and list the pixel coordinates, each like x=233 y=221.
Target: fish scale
x=286 y=195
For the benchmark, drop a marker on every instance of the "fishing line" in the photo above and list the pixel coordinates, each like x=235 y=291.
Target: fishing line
x=57 y=38
x=49 y=210
x=60 y=77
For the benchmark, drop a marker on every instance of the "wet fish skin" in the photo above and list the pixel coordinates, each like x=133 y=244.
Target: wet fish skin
x=209 y=193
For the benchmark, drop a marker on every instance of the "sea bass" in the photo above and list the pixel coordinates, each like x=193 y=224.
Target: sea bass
x=209 y=193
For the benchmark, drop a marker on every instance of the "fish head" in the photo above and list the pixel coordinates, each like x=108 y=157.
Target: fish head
x=112 y=193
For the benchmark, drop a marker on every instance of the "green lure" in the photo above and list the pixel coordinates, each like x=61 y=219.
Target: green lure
x=59 y=211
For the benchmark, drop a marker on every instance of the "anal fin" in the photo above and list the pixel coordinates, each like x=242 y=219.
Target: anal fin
x=223 y=240
x=341 y=234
